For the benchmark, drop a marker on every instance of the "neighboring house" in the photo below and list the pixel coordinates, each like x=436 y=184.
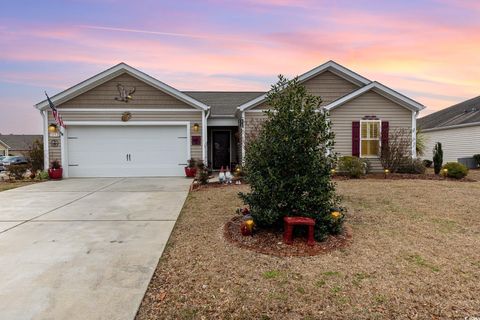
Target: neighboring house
x=456 y=127
x=17 y=144
x=3 y=148
x=123 y=122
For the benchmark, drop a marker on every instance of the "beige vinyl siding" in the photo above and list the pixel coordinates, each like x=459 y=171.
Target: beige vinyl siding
x=145 y=96
x=327 y=86
x=368 y=104
x=193 y=117
x=252 y=121
x=456 y=143
x=3 y=150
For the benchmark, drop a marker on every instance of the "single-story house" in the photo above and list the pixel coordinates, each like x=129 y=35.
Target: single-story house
x=457 y=128
x=17 y=144
x=123 y=122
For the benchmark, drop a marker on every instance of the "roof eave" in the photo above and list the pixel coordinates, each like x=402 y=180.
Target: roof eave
x=111 y=73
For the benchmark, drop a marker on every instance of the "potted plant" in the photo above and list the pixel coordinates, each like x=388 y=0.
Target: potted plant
x=191 y=169
x=55 y=172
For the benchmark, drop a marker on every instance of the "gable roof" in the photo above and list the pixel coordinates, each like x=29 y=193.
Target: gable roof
x=4 y=144
x=113 y=72
x=223 y=103
x=331 y=66
x=19 y=141
x=461 y=114
x=382 y=90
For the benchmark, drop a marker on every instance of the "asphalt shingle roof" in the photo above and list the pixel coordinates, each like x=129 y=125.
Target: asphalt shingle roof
x=223 y=103
x=463 y=113
x=20 y=141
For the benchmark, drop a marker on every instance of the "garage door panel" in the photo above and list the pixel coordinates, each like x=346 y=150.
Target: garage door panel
x=95 y=151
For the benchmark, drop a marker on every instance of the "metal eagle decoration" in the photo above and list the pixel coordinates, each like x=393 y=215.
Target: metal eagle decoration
x=125 y=95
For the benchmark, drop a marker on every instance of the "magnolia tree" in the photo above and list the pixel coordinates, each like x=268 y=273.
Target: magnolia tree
x=288 y=162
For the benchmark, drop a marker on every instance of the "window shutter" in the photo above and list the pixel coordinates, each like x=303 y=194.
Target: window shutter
x=384 y=133
x=356 y=138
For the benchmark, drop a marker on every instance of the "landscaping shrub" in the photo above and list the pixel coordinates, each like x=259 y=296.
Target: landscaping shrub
x=203 y=174
x=353 y=167
x=476 y=157
x=414 y=166
x=17 y=171
x=455 y=170
x=437 y=157
x=427 y=163
x=397 y=151
x=41 y=175
x=287 y=165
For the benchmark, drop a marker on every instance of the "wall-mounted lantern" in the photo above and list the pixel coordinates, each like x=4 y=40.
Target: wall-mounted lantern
x=53 y=130
x=196 y=127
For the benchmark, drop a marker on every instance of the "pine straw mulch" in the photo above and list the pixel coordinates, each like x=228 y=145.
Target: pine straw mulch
x=269 y=241
x=414 y=256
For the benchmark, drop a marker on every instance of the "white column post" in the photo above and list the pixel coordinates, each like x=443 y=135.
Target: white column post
x=414 y=134
x=46 y=153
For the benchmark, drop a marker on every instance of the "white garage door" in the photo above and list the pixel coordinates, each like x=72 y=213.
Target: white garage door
x=126 y=151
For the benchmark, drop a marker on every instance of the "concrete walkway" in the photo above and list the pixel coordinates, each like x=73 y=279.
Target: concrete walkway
x=83 y=248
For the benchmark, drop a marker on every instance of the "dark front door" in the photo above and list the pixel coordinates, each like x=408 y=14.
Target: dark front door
x=221 y=149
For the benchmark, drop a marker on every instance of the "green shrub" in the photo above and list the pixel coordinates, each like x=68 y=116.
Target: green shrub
x=414 y=166
x=351 y=166
x=17 y=171
x=287 y=164
x=476 y=157
x=35 y=155
x=427 y=163
x=455 y=170
x=41 y=175
x=437 y=157
x=203 y=174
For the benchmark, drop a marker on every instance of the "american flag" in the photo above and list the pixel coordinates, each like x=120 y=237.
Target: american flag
x=56 y=116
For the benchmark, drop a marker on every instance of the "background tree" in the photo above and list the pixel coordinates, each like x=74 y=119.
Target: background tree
x=437 y=157
x=421 y=144
x=35 y=155
x=287 y=164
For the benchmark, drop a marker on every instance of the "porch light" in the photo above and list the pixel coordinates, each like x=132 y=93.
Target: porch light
x=196 y=127
x=52 y=128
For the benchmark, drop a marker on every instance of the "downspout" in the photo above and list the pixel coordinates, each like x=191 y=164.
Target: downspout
x=414 y=134
x=205 y=115
x=46 y=153
x=243 y=137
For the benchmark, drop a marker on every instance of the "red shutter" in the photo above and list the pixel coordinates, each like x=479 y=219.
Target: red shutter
x=384 y=133
x=356 y=138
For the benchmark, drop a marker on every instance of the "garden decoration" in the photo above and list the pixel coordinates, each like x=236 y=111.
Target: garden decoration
x=221 y=175
x=289 y=222
x=246 y=228
x=228 y=176
x=333 y=171
x=336 y=215
x=445 y=172
x=386 y=172
x=55 y=172
x=191 y=170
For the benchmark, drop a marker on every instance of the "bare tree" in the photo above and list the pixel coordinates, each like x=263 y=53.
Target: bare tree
x=398 y=149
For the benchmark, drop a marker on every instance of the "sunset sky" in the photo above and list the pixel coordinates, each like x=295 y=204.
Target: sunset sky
x=428 y=50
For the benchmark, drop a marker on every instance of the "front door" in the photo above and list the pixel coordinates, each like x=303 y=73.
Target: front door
x=221 y=149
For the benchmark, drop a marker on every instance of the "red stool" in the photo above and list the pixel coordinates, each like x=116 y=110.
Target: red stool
x=289 y=222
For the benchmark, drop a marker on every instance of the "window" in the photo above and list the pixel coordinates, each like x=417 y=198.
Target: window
x=370 y=138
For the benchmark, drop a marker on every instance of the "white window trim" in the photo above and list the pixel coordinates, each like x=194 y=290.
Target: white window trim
x=379 y=139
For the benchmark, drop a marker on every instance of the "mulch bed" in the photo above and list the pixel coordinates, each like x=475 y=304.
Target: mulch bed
x=405 y=176
x=270 y=242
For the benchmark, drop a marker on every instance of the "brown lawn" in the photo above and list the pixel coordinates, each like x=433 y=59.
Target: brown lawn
x=12 y=185
x=415 y=254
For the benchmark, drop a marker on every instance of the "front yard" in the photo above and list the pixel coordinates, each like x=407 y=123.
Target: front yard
x=414 y=255
x=12 y=185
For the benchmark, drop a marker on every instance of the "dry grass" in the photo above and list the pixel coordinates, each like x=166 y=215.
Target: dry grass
x=414 y=255
x=12 y=185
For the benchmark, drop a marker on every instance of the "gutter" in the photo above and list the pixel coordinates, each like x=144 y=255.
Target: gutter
x=465 y=125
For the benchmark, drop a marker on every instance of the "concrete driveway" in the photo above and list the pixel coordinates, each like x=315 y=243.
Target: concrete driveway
x=84 y=248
